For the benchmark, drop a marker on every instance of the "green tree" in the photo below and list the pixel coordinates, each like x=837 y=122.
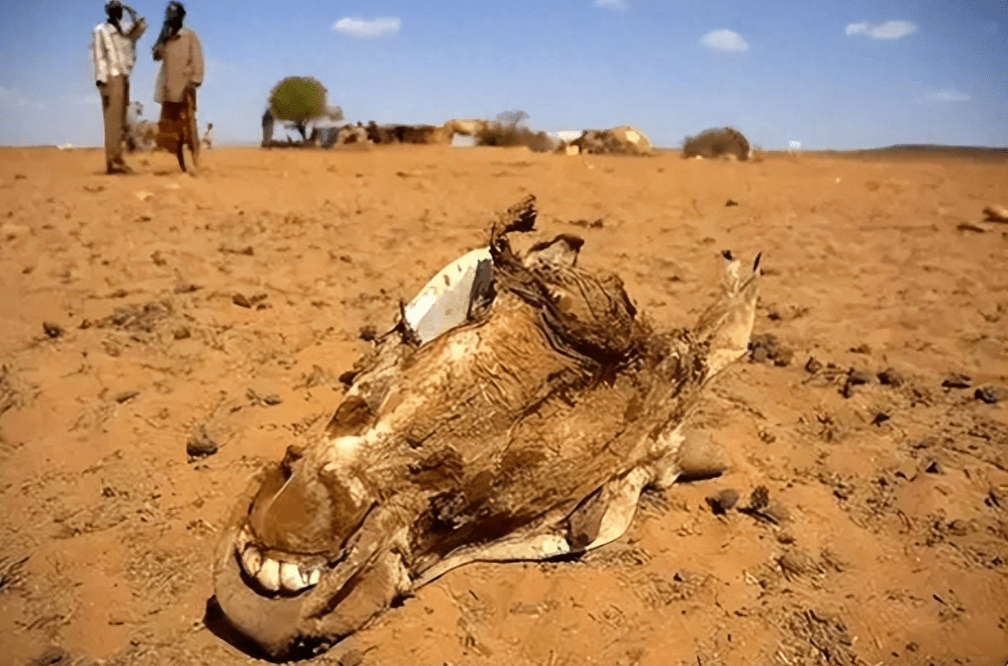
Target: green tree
x=299 y=100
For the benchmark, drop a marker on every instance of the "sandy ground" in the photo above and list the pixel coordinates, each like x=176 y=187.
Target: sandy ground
x=891 y=499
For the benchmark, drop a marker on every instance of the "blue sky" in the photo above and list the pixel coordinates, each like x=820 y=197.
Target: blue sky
x=829 y=74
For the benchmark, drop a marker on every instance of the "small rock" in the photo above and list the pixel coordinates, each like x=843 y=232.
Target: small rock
x=858 y=377
x=890 y=377
x=861 y=349
x=181 y=333
x=51 y=329
x=989 y=394
x=880 y=418
x=855 y=378
x=700 y=458
x=958 y=527
x=956 y=380
x=368 y=333
x=766 y=347
x=272 y=399
x=812 y=365
x=241 y=300
x=51 y=657
x=126 y=395
x=722 y=501
x=351 y=657
x=200 y=445
x=932 y=468
x=731 y=202
x=996 y=213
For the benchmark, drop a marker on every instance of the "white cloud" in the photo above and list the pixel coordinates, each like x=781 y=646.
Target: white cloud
x=948 y=96
x=614 y=5
x=358 y=27
x=725 y=40
x=887 y=30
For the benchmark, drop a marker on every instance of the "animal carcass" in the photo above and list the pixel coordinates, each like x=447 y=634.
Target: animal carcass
x=516 y=412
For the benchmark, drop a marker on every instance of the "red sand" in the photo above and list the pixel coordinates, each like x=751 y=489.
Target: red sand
x=893 y=541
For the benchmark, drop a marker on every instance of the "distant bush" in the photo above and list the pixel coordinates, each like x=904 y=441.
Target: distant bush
x=507 y=130
x=717 y=142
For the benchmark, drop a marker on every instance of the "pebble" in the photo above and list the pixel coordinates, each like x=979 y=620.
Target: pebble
x=956 y=380
x=724 y=500
x=201 y=445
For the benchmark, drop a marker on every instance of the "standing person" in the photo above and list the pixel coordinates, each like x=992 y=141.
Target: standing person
x=267 y=127
x=113 y=53
x=181 y=57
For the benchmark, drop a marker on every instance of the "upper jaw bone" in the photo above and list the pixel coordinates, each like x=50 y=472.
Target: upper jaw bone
x=273 y=575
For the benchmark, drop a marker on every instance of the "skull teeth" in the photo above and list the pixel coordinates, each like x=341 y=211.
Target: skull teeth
x=273 y=575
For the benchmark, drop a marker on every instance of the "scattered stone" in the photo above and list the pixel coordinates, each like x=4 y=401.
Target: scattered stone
x=956 y=380
x=94 y=189
x=958 y=527
x=776 y=513
x=19 y=176
x=593 y=224
x=51 y=329
x=186 y=288
x=766 y=347
x=241 y=300
x=813 y=366
x=248 y=250
x=368 y=333
x=268 y=400
x=52 y=656
x=995 y=213
x=989 y=394
x=855 y=378
x=351 y=657
x=907 y=470
x=861 y=349
x=795 y=562
x=880 y=418
x=858 y=377
x=700 y=458
x=890 y=377
x=126 y=395
x=731 y=202
x=723 y=501
x=201 y=445
x=969 y=226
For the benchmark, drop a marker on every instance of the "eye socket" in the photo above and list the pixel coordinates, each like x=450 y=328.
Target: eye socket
x=291 y=457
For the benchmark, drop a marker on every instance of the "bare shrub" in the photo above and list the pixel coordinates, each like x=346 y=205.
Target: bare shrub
x=717 y=142
x=508 y=130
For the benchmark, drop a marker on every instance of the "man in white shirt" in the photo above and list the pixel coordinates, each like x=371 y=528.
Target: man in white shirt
x=113 y=52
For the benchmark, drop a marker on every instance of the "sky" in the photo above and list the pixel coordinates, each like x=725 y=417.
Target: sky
x=823 y=73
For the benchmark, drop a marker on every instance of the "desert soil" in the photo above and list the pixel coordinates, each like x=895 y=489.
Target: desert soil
x=141 y=314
